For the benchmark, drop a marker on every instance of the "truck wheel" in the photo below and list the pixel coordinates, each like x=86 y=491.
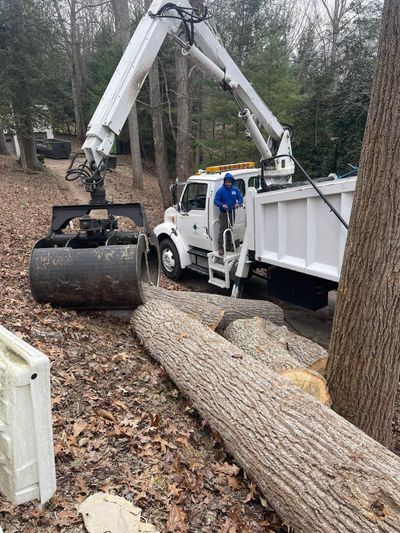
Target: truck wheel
x=170 y=263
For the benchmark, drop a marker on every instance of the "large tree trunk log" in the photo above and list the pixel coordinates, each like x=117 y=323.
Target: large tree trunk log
x=319 y=472
x=234 y=308
x=210 y=314
x=251 y=336
x=304 y=350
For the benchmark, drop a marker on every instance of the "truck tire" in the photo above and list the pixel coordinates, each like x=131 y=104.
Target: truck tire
x=170 y=262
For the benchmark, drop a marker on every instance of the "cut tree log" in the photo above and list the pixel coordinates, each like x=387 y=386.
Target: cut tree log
x=251 y=335
x=210 y=313
x=320 y=366
x=319 y=472
x=199 y=303
x=304 y=350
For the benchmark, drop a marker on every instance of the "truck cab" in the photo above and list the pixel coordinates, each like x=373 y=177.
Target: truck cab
x=188 y=237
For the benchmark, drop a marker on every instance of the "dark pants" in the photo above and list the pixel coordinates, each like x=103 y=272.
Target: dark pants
x=223 y=225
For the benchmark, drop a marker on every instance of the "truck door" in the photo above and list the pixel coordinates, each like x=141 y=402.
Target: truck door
x=192 y=221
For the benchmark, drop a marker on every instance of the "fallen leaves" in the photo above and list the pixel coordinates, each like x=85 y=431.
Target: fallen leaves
x=176 y=519
x=119 y=424
x=226 y=468
x=106 y=415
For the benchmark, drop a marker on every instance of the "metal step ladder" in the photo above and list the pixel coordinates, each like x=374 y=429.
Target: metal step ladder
x=220 y=266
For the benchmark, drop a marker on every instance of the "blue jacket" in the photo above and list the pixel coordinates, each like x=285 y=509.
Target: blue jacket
x=229 y=197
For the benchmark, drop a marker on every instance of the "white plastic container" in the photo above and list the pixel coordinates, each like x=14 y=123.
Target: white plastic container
x=27 y=470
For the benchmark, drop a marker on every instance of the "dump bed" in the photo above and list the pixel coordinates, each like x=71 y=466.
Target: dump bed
x=295 y=229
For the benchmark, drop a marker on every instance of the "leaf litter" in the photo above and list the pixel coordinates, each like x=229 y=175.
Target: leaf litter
x=120 y=425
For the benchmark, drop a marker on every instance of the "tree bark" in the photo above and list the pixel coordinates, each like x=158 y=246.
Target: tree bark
x=209 y=314
x=199 y=303
x=364 y=364
x=305 y=351
x=121 y=12
x=77 y=76
x=251 y=336
x=158 y=135
x=3 y=144
x=319 y=472
x=27 y=144
x=25 y=136
x=183 y=117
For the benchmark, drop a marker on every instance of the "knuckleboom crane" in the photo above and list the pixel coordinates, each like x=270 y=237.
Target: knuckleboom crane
x=100 y=266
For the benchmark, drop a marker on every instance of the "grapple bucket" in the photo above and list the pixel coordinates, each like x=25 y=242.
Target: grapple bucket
x=93 y=269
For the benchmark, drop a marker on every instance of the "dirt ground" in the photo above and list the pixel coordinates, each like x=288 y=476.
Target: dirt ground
x=120 y=425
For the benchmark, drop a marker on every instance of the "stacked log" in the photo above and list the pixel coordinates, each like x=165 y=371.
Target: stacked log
x=202 y=305
x=254 y=337
x=304 y=350
x=319 y=472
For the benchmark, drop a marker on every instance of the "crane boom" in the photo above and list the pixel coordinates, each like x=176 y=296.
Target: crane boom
x=203 y=47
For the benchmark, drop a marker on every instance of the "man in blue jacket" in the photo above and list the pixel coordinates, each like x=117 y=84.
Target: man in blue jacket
x=227 y=198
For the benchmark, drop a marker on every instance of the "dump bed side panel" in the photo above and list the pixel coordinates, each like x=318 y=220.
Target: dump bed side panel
x=295 y=229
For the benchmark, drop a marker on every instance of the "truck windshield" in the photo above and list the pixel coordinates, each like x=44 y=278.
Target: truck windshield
x=194 y=197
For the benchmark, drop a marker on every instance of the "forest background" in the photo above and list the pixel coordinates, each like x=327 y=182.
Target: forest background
x=312 y=62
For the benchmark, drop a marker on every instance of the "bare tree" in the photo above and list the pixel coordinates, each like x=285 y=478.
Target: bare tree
x=363 y=366
x=158 y=134
x=121 y=11
x=183 y=117
x=68 y=21
x=340 y=14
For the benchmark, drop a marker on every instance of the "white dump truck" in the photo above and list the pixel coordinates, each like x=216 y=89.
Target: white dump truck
x=289 y=232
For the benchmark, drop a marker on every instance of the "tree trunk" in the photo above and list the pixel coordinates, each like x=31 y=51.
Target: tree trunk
x=199 y=303
x=198 y=103
x=251 y=336
x=3 y=144
x=363 y=367
x=121 y=12
x=183 y=118
x=26 y=139
x=319 y=472
x=158 y=135
x=73 y=47
x=25 y=136
x=21 y=98
x=134 y=140
x=77 y=76
x=305 y=351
